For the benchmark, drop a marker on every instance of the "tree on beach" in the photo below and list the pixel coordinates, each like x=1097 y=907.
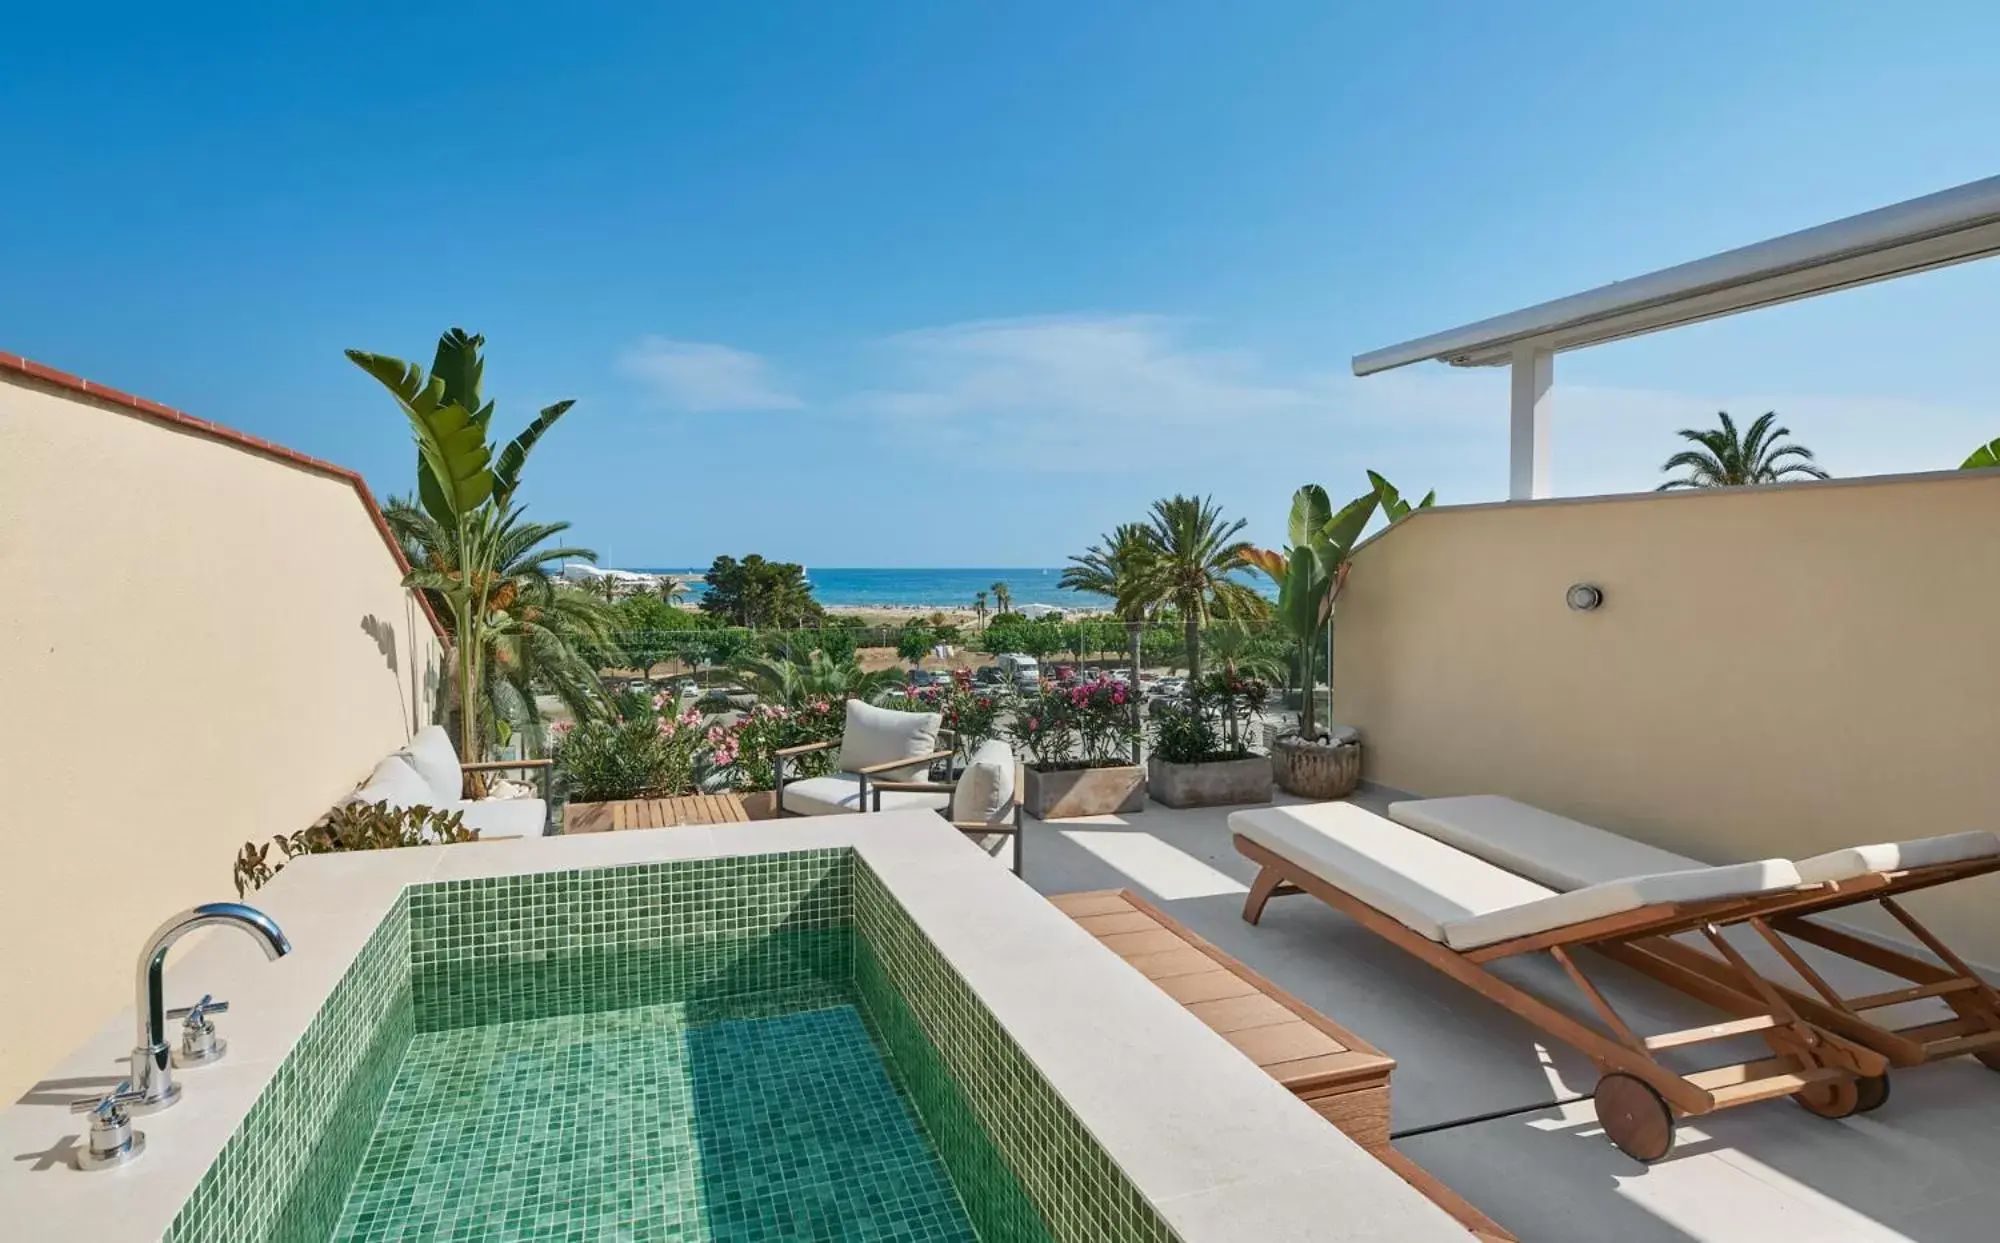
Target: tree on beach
x=1727 y=460
x=759 y=593
x=979 y=608
x=1190 y=552
x=511 y=630
x=1002 y=598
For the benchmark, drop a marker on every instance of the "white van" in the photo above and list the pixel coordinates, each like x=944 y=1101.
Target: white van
x=1021 y=670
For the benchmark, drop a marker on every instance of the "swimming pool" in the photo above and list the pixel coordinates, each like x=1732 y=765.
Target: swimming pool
x=715 y=1050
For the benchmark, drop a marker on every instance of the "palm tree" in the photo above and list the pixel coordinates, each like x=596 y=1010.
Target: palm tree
x=535 y=636
x=1002 y=598
x=1190 y=553
x=979 y=607
x=1726 y=461
x=1108 y=567
x=795 y=684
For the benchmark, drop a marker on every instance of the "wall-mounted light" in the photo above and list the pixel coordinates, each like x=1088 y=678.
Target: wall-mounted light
x=1583 y=597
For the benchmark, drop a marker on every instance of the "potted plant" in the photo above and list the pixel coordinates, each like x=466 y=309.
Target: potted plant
x=1201 y=746
x=1078 y=742
x=1316 y=762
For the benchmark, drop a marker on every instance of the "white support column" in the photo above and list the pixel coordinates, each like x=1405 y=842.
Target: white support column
x=1534 y=375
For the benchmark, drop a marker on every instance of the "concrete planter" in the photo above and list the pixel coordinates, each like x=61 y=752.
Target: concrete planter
x=1064 y=793
x=1316 y=769
x=1217 y=783
x=760 y=804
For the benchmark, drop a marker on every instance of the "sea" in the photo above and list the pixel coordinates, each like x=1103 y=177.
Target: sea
x=878 y=586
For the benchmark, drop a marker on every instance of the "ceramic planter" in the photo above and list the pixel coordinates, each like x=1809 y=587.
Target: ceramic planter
x=1216 y=783
x=1065 y=793
x=760 y=804
x=1315 y=769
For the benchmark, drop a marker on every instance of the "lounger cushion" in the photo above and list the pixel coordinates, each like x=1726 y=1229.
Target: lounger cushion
x=840 y=794
x=877 y=735
x=436 y=761
x=399 y=785
x=1417 y=880
x=985 y=791
x=1558 y=852
x=1616 y=897
x=504 y=817
x=1898 y=856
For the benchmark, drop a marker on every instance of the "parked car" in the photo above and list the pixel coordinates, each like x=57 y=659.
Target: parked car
x=987 y=675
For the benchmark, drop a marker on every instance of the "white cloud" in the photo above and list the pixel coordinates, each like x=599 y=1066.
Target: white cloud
x=702 y=377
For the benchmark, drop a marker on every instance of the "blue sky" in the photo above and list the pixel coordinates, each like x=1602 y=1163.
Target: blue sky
x=948 y=284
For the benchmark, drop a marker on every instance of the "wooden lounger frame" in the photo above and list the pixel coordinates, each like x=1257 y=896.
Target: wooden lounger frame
x=1828 y=1073
x=1974 y=1030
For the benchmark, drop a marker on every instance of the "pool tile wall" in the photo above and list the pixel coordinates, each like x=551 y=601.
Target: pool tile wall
x=995 y=1118
x=521 y=947
x=282 y=1175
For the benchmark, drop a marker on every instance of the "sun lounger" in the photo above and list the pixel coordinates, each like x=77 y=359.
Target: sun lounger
x=1567 y=855
x=1459 y=913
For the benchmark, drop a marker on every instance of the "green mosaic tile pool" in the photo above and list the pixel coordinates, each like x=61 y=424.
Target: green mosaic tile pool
x=763 y=1047
x=994 y=1117
x=640 y=1125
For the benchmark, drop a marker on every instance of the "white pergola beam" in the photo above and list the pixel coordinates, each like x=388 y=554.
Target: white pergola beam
x=1952 y=226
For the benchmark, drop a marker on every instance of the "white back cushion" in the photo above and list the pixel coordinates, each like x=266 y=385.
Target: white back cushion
x=1897 y=856
x=436 y=761
x=396 y=783
x=877 y=735
x=1616 y=897
x=1540 y=845
x=1414 y=879
x=985 y=791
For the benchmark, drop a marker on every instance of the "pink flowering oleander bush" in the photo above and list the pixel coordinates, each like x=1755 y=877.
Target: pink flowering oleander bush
x=1079 y=725
x=648 y=752
x=752 y=743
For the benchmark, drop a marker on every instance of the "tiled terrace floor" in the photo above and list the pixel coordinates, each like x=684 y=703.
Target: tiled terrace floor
x=1925 y=1167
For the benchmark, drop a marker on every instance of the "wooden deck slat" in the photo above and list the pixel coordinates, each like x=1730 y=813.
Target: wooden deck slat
x=1080 y=904
x=1205 y=986
x=1232 y=1014
x=1172 y=962
x=654 y=813
x=1120 y=921
x=1154 y=940
x=1285 y=1043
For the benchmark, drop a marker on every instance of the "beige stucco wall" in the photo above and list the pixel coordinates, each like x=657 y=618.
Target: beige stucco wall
x=1775 y=671
x=199 y=645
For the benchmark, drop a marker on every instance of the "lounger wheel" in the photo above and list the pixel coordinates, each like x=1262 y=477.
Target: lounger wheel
x=1834 y=1098
x=1874 y=1093
x=1635 y=1117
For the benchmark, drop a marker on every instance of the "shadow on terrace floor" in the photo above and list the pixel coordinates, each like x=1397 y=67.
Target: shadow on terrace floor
x=1924 y=1168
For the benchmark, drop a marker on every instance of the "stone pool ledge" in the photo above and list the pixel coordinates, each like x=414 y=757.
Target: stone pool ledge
x=1218 y=1148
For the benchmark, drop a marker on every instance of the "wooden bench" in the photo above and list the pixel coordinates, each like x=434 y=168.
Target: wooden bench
x=1341 y=1076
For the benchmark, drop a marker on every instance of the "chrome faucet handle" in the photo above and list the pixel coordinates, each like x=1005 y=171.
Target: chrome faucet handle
x=197 y=1013
x=110 y=1104
x=199 y=1044
x=112 y=1139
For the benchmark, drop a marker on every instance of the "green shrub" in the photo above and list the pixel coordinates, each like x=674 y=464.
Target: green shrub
x=641 y=756
x=352 y=826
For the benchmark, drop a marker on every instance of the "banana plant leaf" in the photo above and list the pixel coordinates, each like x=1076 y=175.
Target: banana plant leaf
x=1986 y=455
x=451 y=444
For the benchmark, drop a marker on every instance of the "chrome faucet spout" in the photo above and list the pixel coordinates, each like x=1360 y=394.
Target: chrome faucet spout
x=152 y=1060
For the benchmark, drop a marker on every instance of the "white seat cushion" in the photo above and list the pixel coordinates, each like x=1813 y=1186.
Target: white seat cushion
x=840 y=794
x=985 y=791
x=1558 y=852
x=1578 y=906
x=504 y=817
x=1898 y=856
x=396 y=783
x=1417 y=880
x=436 y=761
x=875 y=735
